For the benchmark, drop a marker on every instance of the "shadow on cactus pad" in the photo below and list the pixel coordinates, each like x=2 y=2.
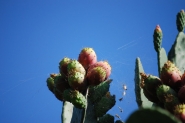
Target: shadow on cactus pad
x=152 y=115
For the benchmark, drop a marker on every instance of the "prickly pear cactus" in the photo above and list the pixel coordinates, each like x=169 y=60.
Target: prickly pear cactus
x=83 y=86
x=140 y=97
x=166 y=92
x=152 y=115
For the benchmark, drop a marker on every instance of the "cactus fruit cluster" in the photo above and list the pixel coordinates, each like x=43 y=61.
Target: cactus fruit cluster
x=166 y=91
x=83 y=82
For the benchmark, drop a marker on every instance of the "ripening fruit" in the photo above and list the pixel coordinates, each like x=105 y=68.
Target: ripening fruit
x=76 y=81
x=96 y=75
x=171 y=75
x=87 y=57
x=105 y=65
x=179 y=112
x=75 y=66
x=63 y=65
x=181 y=94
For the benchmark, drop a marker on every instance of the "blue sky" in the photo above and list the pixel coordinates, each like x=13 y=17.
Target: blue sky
x=36 y=34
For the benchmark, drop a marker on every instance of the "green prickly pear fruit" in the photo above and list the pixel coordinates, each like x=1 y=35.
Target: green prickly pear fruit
x=170 y=102
x=96 y=75
x=163 y=91
x=106 y=103
x=105 y=65
x=179 y=112
x=61 y=84
x=75 y=66
x=150 y=83
x=171 y=75
x=151 y=97
x=180 y=21
x=75 y=97
x=67 y=95
x=181 y=94
x=63 y=65
x=87 y=57
x=50 y=82
x=76 y=81
x=157 y=38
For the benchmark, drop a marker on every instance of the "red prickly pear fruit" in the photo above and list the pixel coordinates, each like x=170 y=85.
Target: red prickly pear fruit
x=76 y=81
x=171 y=75
x=87 y=57
x=105 y=65
x=61 y=84
x=163 y=91
x=183 y=79
x=75 y=66
x=179 y=112
x=63 y=65
x=181 y=94
x=96 y=75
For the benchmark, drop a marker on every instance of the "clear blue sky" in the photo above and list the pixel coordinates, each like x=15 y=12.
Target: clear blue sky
x=36 y=34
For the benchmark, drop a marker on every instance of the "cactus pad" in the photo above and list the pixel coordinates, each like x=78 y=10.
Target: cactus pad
x=152 y=115
x=106 y=103
x=107 y=118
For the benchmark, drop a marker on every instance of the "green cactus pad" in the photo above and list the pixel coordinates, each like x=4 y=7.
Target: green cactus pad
x=162 y=58
x=107 y=118
x=180 y=21
x=97 y=92
x=152 y=115
x=106 y=103
x=119 y=121
x=177 y=52
x=67 y=112
x=141 y=100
